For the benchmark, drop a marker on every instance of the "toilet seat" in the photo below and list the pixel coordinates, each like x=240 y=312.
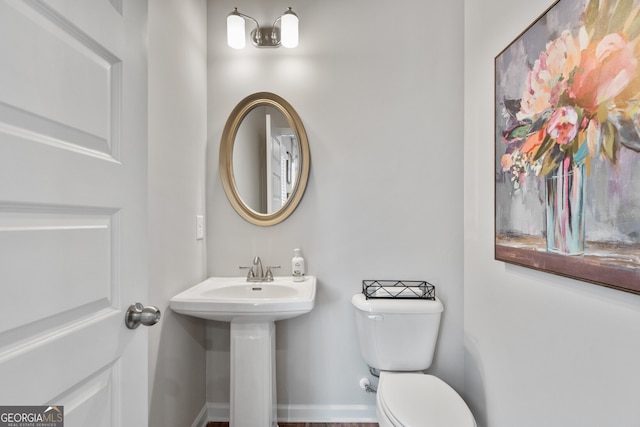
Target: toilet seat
x=412 y=400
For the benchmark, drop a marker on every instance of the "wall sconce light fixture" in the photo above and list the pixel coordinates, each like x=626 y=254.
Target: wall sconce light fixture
x=285 y=35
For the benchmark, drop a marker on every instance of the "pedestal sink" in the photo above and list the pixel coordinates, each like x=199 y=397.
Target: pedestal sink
x=252 y=308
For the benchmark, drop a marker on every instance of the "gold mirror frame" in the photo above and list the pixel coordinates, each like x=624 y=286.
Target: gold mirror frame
x=226 y=158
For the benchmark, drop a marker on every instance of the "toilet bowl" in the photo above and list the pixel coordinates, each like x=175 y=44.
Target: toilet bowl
x=397 y=337
x=419 y=400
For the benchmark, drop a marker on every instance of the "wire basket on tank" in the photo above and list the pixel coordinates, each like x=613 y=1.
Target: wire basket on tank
x=398 y=289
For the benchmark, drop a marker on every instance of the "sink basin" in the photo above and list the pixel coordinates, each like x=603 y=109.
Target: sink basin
x=233 y=299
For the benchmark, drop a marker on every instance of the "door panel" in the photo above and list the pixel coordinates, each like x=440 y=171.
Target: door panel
x=73 y=208
x=72 y=82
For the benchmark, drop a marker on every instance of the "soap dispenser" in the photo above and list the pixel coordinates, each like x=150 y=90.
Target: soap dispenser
x=297 y=266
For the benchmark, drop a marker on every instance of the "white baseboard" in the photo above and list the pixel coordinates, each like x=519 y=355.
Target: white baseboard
x=203 y=417
x=327 y=413
x=218 y=411
x=307 y=413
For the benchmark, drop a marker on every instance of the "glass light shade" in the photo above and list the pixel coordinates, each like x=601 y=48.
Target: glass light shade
x=235 y=31
x=289 y=29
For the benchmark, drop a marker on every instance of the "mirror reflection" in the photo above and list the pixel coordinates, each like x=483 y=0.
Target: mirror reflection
x=266 y=159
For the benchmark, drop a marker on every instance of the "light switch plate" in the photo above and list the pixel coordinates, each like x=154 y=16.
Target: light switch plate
x=199 y=227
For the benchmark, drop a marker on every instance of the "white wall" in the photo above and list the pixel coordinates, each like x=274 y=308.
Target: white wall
x=177 y=139
x=541 y=350
x=380 y=95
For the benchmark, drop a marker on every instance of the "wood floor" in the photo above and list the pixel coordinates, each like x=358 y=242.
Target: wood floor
x=226 y=424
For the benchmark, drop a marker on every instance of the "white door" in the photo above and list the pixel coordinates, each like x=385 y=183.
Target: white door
x=73 y=208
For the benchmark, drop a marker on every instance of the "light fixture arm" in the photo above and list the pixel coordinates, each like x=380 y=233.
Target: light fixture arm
x=258 y=33
x=275 y=38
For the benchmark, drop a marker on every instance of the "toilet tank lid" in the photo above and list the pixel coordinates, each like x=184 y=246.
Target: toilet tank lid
x=391 y=306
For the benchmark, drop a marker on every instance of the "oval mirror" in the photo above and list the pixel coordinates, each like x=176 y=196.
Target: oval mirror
x=264 y=159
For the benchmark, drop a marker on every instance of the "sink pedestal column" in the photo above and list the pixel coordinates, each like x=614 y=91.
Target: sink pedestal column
x=253 y=374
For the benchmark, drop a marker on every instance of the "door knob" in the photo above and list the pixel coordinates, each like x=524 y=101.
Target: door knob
x=139 y=314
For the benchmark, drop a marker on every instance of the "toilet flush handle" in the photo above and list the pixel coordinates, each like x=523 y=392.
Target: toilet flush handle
x=375 y=316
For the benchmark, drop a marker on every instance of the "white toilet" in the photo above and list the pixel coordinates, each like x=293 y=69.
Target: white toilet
x=398 y=338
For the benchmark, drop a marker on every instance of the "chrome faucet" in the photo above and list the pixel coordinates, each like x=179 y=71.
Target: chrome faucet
x=256 y=272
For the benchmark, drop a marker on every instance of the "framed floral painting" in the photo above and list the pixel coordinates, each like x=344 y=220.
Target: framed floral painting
x=567 y=144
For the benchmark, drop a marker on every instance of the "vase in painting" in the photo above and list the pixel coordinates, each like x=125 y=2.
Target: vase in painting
x=565 y=209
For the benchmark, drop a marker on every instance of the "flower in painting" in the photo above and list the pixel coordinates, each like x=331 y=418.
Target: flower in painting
x=515 y=162
x=533 y=142
x=563 y=125
x=506 y=161
x=606 y=67
x=549 y=76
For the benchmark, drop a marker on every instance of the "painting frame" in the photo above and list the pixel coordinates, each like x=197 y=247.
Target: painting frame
x=560 y=149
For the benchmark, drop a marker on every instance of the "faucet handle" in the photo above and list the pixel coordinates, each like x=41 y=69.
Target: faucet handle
x=270 y=273
x=250 y=273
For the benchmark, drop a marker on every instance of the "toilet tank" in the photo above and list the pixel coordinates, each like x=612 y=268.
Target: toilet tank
x=397 y=334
